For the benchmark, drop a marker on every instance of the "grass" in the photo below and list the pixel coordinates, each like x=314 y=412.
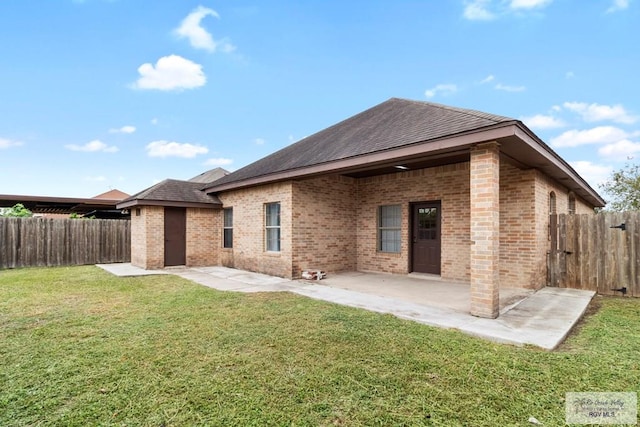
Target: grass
x=81 y=347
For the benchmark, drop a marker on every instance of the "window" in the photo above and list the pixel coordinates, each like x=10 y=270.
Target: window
x=552 y=203
x=389 y=222
x=572 y=203
x=272 y=227
x=227 y=228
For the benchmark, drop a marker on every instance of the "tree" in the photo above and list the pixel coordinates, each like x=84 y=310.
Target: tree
x=623 y=188
x=17 y=210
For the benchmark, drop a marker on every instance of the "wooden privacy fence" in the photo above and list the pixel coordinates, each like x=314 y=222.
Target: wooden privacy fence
x=596 y=252
x=31 y=242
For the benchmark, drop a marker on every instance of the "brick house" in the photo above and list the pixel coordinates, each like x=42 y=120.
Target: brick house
x=403 y=187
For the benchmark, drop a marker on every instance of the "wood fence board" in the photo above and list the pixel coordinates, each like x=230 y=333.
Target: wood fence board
x=552 y=255
x=26 y=242
x=562 y=249
x=573 y=251
x=590 y=236
x=634 y=233
x=599 y=255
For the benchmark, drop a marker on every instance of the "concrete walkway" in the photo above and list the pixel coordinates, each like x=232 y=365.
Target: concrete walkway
x=542 y=319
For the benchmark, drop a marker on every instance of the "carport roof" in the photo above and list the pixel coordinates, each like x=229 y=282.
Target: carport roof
x=61 y=205
x=173 y=192
x=407 y=134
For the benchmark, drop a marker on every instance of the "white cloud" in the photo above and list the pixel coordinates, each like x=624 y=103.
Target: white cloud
x=191 y=28
x=221 y=161
x=154 y=121
x=595 y=174
x=171 y=72
x=259 y=141
x=528 y=4
x=174 y=149
x=620 y=151
x=597 y=135
x=445 y=89
x=123 y=129
x=617 y=5
x=487 y=79
x=540 y=121
x=92 y=147
x=508 y=88
x=477 y=10
x=99 y=178
x=596 y=112
x=7 y=143
x=487 y=10
x=569 y=75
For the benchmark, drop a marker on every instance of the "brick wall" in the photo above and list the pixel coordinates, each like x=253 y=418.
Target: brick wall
x=249 y=251
x=147 y=237
x=330 y=223
x=518 y=238
x=203 y=237
x=448 y=184
x=324 y=224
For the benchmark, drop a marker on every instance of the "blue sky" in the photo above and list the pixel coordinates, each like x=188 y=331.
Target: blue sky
x=102 y=94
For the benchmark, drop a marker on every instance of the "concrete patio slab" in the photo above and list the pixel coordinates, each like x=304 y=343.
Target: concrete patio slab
x=125 y=269
x=421 y=289
x=542 y=319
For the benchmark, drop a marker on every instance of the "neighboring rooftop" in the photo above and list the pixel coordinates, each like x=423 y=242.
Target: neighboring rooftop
x=210 y=176
x=114 y=194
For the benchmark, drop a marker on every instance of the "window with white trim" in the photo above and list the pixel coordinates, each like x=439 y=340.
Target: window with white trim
x=272 y=227
x=227 y=228
x=389 y=228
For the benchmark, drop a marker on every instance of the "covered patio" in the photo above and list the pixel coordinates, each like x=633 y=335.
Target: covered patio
x=423 y=289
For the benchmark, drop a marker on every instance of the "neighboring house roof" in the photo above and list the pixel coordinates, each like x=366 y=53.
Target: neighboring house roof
x=412 y=134
x=172 y=192
x=210 y=176
x=114 y=194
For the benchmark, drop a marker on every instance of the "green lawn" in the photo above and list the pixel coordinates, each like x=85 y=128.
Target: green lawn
x=81 y=347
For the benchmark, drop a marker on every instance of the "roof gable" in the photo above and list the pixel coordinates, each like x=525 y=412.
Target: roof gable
x=173 y=192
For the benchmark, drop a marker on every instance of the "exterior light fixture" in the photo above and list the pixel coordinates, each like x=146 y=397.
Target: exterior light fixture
x=404 y=168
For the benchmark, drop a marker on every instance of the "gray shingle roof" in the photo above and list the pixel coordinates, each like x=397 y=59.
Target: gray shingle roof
x=392 y=124
x=173 y=190
x=210 y=176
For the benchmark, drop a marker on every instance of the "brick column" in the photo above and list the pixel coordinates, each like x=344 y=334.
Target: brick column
x=147 y=237
x=485 y=229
